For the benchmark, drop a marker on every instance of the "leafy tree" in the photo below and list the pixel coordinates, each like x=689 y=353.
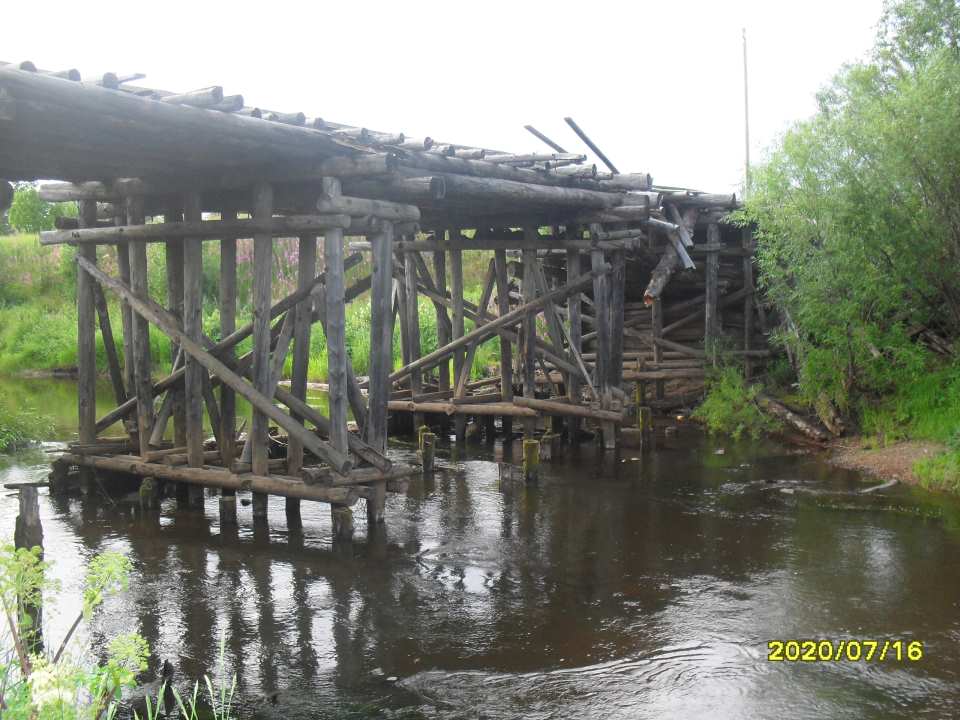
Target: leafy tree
x=30 y=214
x=857 y=217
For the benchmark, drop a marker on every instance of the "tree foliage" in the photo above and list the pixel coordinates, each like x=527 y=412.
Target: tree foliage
x=30 y=214
x=857 y=216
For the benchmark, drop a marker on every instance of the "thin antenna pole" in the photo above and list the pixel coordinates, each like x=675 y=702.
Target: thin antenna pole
x=746 y=119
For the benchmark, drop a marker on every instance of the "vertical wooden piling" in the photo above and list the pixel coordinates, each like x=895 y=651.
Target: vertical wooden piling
x=27 y=534
x=336 y=330
x=126 y=312
x=711 y=306
x=228 y=324
x=601 y=307
x=427 y=445
x=528 y=338
x=531 y=460
x=141 y=330
x=506 y=352
x=456 y=292
x=86 y=344
x=194 y=373
x=576 y=333
x=618 y=284
x=381 y=359
x=656 y=324
x=262 y=374
x=413 y=326
x=109 y=346
x=174 y=257
x=444 y=326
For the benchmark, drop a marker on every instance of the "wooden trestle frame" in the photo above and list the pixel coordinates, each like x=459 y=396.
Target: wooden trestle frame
x=567 y=245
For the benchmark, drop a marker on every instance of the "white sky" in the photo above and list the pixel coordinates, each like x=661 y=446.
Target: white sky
x=658 y=86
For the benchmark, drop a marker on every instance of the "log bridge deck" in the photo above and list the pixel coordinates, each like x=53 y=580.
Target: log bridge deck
x=598 y=285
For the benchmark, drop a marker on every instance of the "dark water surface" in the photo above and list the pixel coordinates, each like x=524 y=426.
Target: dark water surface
x=616 y=588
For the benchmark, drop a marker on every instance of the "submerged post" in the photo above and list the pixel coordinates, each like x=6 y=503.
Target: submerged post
x=28 y=533
x=87 y=344
x=228 y=398
x=262 y=375
x=381 y=359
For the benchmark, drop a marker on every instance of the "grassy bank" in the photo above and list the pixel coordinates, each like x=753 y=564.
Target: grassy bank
x=38 y=317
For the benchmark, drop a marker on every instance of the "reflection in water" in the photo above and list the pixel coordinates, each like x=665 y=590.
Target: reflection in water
x=617 y=587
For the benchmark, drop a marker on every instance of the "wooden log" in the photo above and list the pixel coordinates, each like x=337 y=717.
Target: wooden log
x=173 y=253
x=453 y=409
x=618 y=280
x=306 y=271
x=747 y=242
x=220 y=478
x=463 y=188
x=86 y=345
x=108 y=130
x=109 y=346
x=514 y=159
x=194 y=372
x=262 y=372
x=506 y=354
x=601 y=300
x=574 y=320
x=568 y=408
x=780 y=411
x=688 y=199
x=711 y=307
x=531 y=460
x=204 y=97
x=363 y=207
x=210 y=229
x=381 y=340
x=411 y=311
x=336 y=329
x=142 y=364
x=528 y=333
x=168 y=325
x=228 y=325
x=590 y=144
x=511 y=318
x=458 y=326
x=444 y=325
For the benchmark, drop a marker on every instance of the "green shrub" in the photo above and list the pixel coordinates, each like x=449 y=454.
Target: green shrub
x=30 y=214
x=729 y=406
x=21 y=426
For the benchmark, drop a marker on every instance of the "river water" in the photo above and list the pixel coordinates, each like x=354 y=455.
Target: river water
x=630 y=587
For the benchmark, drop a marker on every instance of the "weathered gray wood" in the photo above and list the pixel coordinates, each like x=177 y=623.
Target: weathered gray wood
x=412 y=313
x=456 y=294
x=193 y=327
x=86 y=345
x=306 y=271
x=169 y=326
x=573 y=319
x=228 y=324
x=381 y=339
x=210 y=229
x=174 y=259
x=528 y=334
x=618 y=281
x=141 y=330
x=336 y=328
x=444 y=326
x=711 y=305
x=590 y=144
x=601 y=299
x=262 y=375
x=656 y=332
x=506 y=354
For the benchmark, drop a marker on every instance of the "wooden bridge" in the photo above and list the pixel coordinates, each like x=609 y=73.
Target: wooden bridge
x=607 y=293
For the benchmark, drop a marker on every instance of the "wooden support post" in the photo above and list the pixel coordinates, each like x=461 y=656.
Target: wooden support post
x=342 y=520
x=456 y=294
x=428 y=443
x=711 y=307
x=506 y=355
x=262 y=375
x=381 y=360
x=747 y=243
x=464 y=378
x=656 y=333
x=150 y=494
x=528 y=337
x=444 y=326
x=576 y=332
x=303 y=319
x=336 y=330
x=195 y=374
x=601 y=302
x=126 y=314
x=174 y=257
x=412 y=312
x=618 y=286
x=141 y=330
x=86 y=344
x=228 y=325
x=645 y=425
x=27 y=534
x=531 y=460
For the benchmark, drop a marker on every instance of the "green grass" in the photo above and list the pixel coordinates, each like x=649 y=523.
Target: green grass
x=21 y=426
x=729 y=406
x=38 y=316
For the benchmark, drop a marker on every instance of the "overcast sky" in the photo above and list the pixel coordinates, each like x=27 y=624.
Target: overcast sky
x=659 y=86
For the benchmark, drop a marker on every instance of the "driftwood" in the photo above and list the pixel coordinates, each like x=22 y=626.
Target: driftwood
x=787 y=416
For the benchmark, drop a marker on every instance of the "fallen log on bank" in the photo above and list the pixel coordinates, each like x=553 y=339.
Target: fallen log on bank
x=781 y=412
